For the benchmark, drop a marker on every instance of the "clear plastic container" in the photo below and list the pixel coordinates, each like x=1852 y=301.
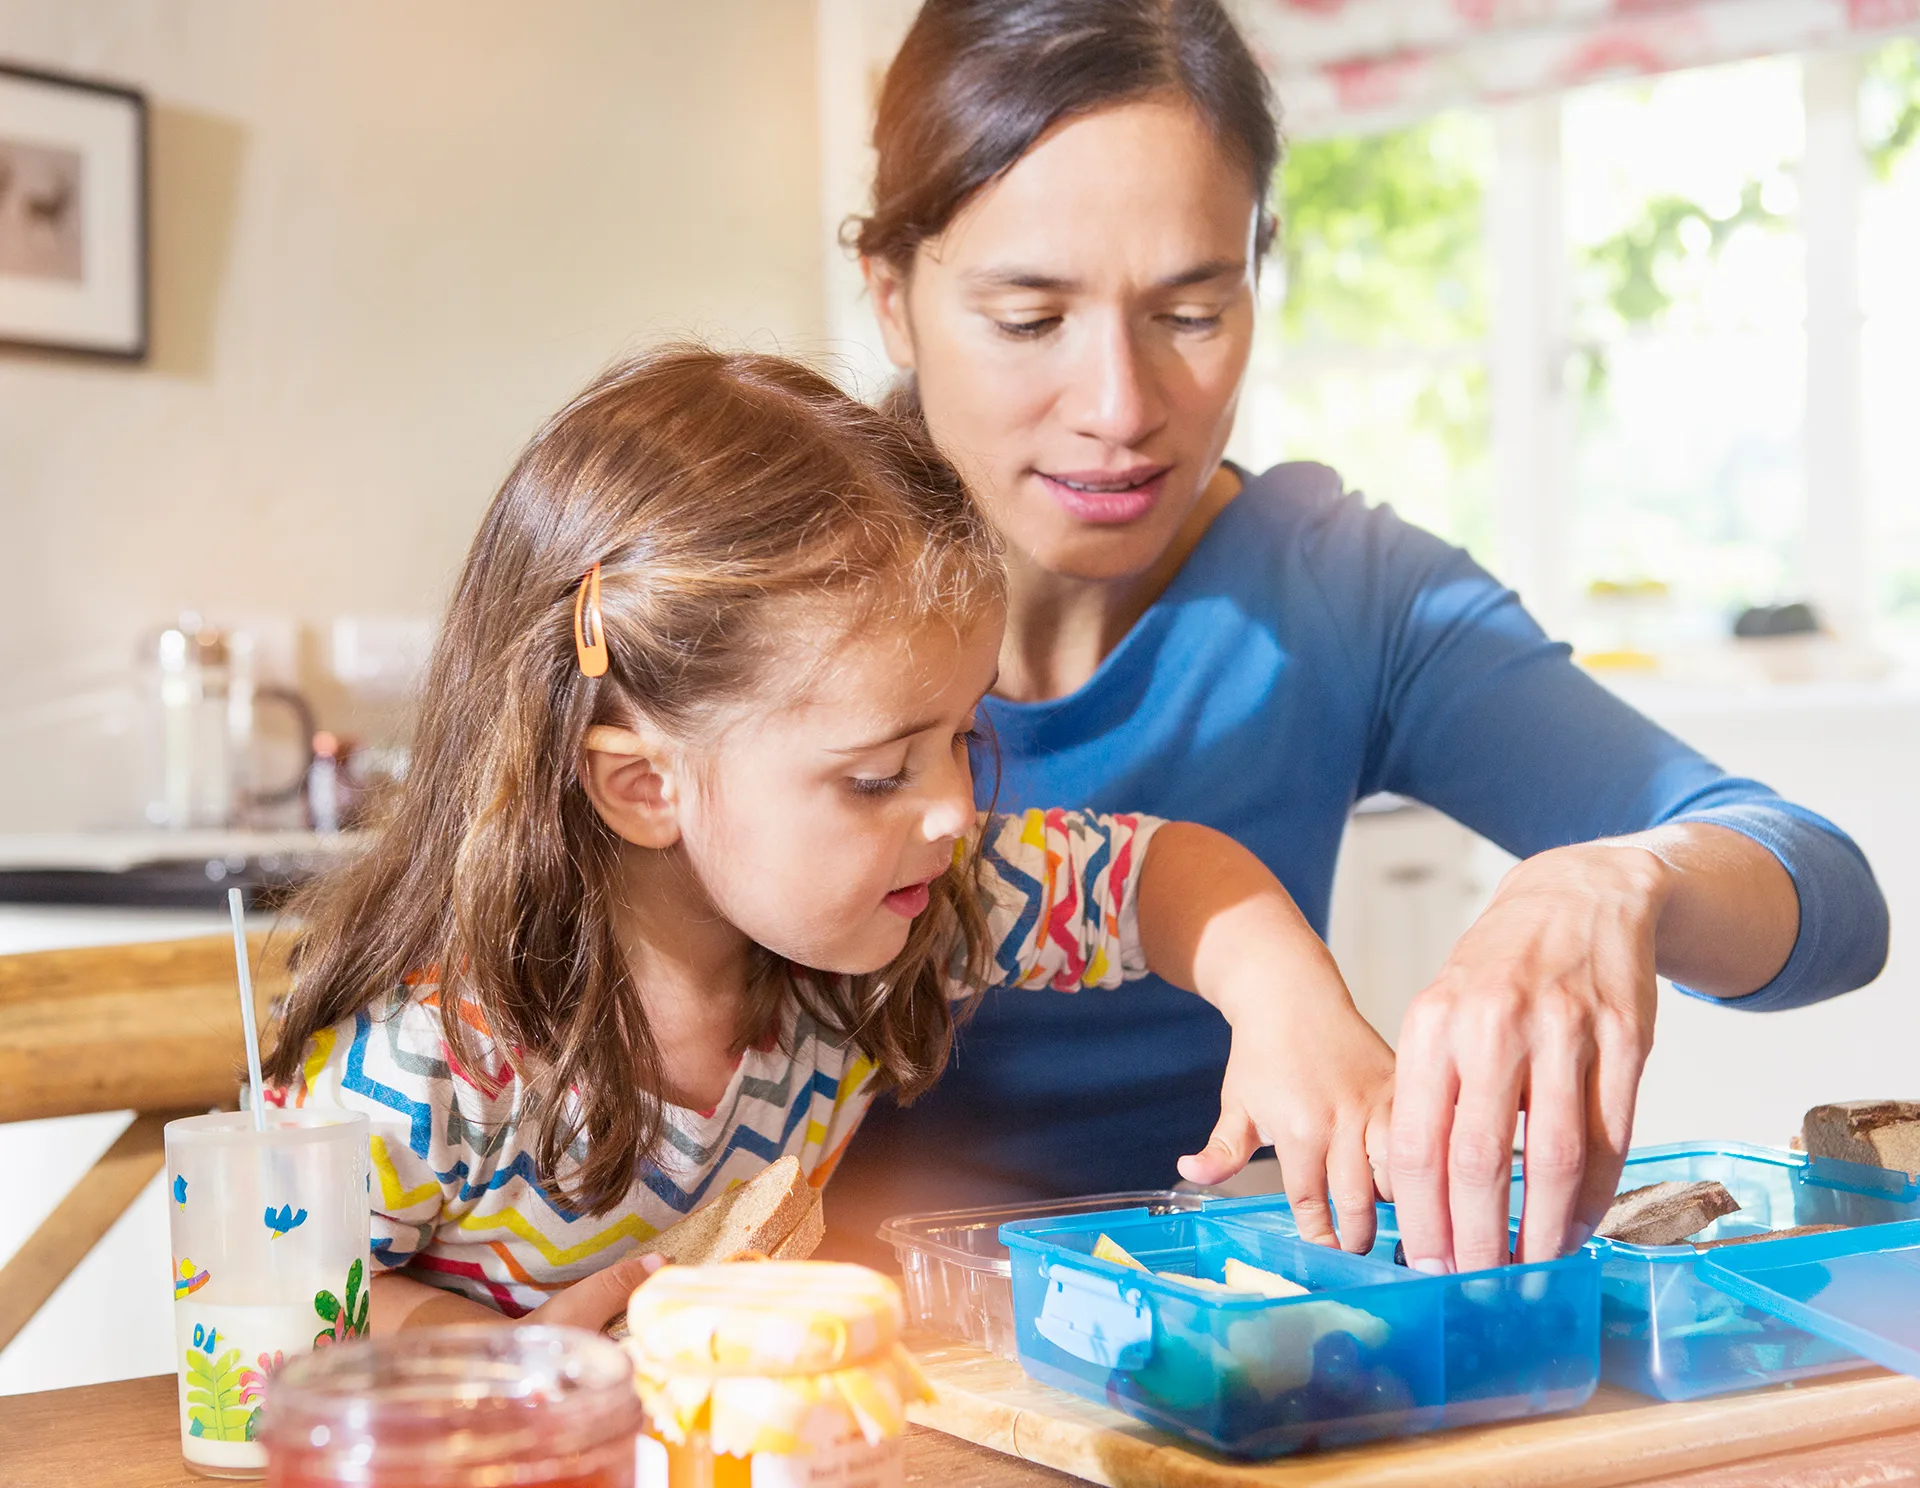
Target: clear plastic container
x=1855 y=1286
x=1667 y=1331
x=957 y=1274
x=1374 y=1351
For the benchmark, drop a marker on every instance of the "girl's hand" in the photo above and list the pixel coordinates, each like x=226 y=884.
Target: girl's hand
x=1309 y=1074
x=400 y=1302
x=594 y=1301
x=1306 y=1071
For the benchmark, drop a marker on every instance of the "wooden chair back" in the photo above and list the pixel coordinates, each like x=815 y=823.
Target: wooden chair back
x=152 y=1027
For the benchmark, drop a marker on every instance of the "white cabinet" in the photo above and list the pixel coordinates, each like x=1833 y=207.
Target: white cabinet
x=1410 y=881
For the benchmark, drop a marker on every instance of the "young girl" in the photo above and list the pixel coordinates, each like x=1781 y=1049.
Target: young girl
x=687 y=865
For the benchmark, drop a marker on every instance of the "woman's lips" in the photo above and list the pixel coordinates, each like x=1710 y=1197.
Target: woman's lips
x=910 y=902
x=1106 y=497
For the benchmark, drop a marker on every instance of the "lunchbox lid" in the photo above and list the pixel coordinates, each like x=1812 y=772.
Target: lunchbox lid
x=1859 y=1288
x=970 y=1238
x=1828 y=1172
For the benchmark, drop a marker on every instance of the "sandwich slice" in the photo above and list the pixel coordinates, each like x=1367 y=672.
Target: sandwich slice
x=752 y=1216
x=776 y=1213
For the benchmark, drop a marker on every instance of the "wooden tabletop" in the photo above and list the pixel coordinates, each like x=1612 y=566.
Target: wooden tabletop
x=126 y=1435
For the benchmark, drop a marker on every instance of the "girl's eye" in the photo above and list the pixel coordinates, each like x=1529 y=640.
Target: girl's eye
x=879 y=785
x=968 y=737
x=1027 y=330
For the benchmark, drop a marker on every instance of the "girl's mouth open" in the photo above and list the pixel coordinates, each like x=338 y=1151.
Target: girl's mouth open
x=1107 y=497
x=911 y=902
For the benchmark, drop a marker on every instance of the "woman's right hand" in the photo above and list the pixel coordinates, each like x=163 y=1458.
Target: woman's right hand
x=1546 y=1005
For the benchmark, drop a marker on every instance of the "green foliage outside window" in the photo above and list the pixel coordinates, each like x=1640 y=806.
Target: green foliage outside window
x=1638 y=265
x=1634 y=262
x=1382 y=252
x=1890 y=102
x=1381 y=237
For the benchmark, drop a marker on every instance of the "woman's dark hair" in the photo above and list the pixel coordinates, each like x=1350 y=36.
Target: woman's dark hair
x=978 y=82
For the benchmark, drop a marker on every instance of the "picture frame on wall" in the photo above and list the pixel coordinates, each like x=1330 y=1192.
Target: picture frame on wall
x=73 y=215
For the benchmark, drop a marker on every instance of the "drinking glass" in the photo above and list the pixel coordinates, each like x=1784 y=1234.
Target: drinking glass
x=270 y=1261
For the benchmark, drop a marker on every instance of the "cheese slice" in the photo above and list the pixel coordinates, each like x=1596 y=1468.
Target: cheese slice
x=1205 y=1284
x=1241 y=1277
x=1107 y=1249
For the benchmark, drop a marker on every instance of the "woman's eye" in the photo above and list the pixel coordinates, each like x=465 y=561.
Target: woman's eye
x=1028 y=329
x=968 y=737
x=1194 y=322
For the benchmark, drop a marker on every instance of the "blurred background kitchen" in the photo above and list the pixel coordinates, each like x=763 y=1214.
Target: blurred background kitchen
x=1622 y=297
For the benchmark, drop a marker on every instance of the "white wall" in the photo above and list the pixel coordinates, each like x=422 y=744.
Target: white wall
x=387 y=240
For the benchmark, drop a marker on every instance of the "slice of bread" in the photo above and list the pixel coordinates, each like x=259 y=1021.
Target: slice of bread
x=776 y=1213
x=1879 y=1133
x=755 y=1215
x=806 y=1236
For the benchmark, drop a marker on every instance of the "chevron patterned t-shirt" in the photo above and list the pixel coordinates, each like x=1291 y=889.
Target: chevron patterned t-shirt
x=456 y=1197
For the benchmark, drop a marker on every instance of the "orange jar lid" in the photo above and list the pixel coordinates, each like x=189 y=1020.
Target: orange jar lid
x=774 y=1356
x=763 y=1318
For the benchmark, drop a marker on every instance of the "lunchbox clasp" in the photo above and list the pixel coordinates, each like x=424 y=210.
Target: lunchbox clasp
x=1094 y=1319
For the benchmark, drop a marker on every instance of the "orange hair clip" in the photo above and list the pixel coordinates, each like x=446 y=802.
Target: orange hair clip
x=589 y=630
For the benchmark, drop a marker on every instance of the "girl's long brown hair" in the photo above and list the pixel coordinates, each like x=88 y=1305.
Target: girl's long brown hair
x=719 y=493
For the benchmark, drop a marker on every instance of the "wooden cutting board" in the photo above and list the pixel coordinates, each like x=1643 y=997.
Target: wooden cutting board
x=1617 y=1438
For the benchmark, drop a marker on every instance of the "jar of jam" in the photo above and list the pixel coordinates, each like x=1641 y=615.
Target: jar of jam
x=771 y=1374
x=479 y=1407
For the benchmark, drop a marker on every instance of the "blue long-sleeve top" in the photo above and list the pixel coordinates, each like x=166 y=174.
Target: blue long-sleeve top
x=1311 y=651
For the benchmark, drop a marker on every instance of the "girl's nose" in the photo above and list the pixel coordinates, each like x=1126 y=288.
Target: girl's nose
x=949 y=809
x=1116 y=398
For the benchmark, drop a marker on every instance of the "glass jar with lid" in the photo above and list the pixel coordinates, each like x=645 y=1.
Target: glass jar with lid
x=473 y=1407
x=771 y=1374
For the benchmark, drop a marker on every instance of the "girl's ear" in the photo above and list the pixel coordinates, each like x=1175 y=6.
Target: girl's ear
x=633 y=780
x=887 y=288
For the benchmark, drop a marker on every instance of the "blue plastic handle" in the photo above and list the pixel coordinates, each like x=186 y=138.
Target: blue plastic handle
x=1096 y=1320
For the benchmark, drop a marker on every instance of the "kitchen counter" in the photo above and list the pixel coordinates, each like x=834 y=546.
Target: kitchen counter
x=126 y=1435
x=54 y=927
x=129 y=869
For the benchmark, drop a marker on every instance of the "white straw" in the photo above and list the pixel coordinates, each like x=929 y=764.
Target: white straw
x=236 y=907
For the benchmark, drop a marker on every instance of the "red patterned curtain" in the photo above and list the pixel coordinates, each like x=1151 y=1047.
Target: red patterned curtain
x=1345 y=66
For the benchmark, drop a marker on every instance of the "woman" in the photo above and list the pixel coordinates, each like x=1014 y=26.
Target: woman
x=1069 y=216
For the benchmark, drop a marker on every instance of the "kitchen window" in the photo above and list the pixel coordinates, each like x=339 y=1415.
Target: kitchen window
x=1371 y=352
x=1630 y=412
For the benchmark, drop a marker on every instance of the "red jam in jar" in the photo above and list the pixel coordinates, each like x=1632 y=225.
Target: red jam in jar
x=456 y=1408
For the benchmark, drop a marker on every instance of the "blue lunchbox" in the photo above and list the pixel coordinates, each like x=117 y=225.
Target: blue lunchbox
x=1672 y=1327
x=1374 y=1350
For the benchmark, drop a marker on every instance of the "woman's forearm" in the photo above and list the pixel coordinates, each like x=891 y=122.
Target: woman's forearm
x=1731 y=914
x=400 y=1302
